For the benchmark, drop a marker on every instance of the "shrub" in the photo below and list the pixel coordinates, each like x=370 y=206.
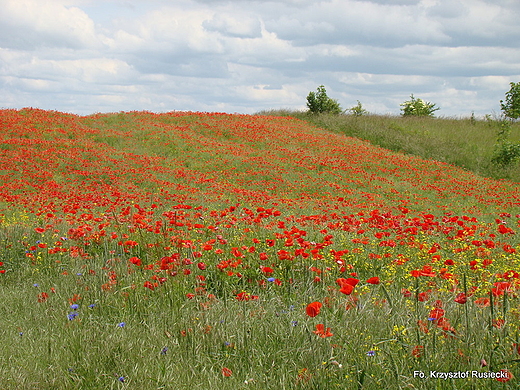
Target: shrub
x=418 y=107
x=506 y=152
x=358 y=110
x=511 y=107
x=320 y=103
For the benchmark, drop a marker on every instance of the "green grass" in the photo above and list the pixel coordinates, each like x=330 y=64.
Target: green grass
x=466 y=143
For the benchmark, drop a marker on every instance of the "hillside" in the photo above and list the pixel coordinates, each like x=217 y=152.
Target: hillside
x=106 y=160
x=206 y=250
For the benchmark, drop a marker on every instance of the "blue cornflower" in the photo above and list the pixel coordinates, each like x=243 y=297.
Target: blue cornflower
x=271 y=279
x=36 y=285
x=92 y=305
x=164 y=350
x=121 y=324
x=121 y=379
x=72 y=315
x=74 y=306
x=371 y=353
x=294 y=323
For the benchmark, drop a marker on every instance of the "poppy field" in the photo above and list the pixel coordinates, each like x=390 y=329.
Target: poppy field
x=203 y=250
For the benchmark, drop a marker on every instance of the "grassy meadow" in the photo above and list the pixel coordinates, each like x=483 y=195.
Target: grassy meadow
x=213 y=251
x=467 y=143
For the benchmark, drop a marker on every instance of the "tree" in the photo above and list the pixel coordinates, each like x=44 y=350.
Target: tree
x=418 y=107
x=320 y=103
x=358 y=110
x=511 y=107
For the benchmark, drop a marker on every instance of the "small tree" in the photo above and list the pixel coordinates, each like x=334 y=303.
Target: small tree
x=418 y=107
x=511 y=107
x=358 y=110
x=320 y=103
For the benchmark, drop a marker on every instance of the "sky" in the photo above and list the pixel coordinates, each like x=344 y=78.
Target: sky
x=244 y=56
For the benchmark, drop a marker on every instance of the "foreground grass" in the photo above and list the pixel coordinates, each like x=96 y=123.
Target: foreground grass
x=466 y=143
x=89 y=322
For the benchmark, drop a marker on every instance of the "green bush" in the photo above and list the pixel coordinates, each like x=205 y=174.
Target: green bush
x=320 y=103
x=506 y=152
x=358 y=110
x=417 y=107
x=511 y=107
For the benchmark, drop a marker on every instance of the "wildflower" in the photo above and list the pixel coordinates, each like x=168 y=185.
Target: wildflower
x=121 y=379
x=435 y=314
x=313 y=309
x=294 y=323
x=498 y=323
x=347 y=285
x=227 y=372
x=371 y=353
x=505 y=375
x=373 y=280
x=72 y=315
x=42 y=297
x=135 y=260
x=164 y=350
x=121 y=324
x=320 y=331
x=417 y=351
x=461 y=298
x=75 y=306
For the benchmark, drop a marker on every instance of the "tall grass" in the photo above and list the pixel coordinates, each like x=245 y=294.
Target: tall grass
x=467 y=143
x=132 y=337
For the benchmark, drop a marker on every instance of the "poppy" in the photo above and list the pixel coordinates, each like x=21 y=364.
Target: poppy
x=417 y=351
x=320 y=331
x=227 y=372
x=436 y=313
x=313 y=309
x=347 y=285
x=135 y=260
x=461 y=298
x=504 y=375
x=373 y=280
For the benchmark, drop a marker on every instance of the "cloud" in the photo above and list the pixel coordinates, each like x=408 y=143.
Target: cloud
x=26 y=24
x=240 y=56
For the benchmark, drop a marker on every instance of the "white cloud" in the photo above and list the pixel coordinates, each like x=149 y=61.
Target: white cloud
x=30 y=24
x=241 y=56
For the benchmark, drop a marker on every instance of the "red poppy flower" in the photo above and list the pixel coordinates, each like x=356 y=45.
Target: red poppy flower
x=42 y=297
x=417 y=351
x=227 y=372
x=322 y=332
x=373 y=280
x=346 y=289
x=436 y=313
x=313 y=309
x=347 y=285
x=135 y=260
x=482 y=302
x=351 y=281
x=504 y=376
x=461 y=298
